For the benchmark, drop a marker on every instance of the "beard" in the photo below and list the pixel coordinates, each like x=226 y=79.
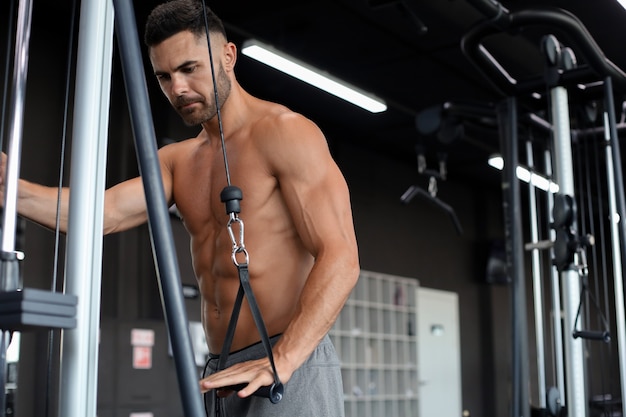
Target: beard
x=208 y=109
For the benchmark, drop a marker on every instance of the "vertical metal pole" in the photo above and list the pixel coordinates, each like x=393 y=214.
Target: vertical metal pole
x=555 y=289
x=79 y=367
x=537 y=282
x=14 y=149
x=164 y=251
x=617 y=161
x=507 y=116
x=574 y=355
x=9 y=268
x=616 y=219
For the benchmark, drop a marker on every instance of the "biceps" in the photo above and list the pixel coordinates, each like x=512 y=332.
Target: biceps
x=124 y=206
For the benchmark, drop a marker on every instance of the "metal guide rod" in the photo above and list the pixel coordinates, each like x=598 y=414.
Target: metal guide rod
x=616 y=219
x=537 y=283
x=555 y=290
x=9 y=268
x=570 y=284
x=14 y=148
x=160 y=226
x=79 y=367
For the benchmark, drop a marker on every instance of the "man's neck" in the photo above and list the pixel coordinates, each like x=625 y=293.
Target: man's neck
x=232 y=113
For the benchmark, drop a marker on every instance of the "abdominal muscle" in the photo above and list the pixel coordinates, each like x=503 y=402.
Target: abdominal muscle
x=279 y=263
x=276 y=282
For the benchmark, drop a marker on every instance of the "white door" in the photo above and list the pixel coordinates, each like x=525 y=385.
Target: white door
x=439 y=353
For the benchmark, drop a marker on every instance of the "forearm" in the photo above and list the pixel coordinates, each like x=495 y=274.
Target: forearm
x=124 y=205
x=324 y=295
x=40 y=204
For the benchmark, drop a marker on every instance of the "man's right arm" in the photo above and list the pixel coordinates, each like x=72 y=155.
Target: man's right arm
x=124 y=204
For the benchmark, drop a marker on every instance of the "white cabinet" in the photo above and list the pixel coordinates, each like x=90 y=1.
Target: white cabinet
x=375 y=336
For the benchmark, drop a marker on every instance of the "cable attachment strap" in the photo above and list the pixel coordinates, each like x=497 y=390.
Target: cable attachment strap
x=231 y=196
x=275 y=391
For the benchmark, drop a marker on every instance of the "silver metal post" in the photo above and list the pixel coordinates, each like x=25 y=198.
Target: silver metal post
x=555 y=289
x=9 y=270
x=14 y=149
x=537 y=283
x=614 y=218
x=78 y=388
x=570 y=280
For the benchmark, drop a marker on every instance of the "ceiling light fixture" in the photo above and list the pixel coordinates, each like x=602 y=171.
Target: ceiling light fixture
x=320 y=79
x=525 y=175
x=623 y=3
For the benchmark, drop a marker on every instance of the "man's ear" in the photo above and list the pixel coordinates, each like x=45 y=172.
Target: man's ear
x=230 y=56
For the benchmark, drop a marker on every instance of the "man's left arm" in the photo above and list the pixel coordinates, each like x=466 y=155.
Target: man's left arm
x=318 y=199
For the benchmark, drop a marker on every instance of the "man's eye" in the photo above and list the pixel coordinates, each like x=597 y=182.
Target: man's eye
x=189 y=69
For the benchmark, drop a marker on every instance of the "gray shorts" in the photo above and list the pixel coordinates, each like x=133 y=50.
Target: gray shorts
x=315 y=389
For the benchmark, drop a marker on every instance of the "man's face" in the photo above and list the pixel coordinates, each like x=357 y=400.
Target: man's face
x=182 y=67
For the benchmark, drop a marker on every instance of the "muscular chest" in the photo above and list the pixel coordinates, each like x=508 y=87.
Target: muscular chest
x=199 y=180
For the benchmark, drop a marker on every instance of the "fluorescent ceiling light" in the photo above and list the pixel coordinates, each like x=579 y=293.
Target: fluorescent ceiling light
x=320 y=79
x=623 y=3
x=525 y=175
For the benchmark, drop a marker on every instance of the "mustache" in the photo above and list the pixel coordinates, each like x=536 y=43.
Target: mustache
x=183 y=101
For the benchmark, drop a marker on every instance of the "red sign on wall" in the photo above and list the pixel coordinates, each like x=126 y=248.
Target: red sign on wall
x=142 y=357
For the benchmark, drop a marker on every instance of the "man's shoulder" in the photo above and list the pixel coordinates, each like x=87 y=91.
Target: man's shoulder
x=275 y=126
x=278 y=114
x=179 y=149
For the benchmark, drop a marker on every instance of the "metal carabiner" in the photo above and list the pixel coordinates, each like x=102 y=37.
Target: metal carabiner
x=238 y=245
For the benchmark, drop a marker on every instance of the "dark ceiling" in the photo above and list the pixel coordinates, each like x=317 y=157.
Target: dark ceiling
x=417 y=55
x=410 y=53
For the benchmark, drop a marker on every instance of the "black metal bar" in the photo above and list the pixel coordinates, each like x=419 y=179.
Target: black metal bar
x=597 y=63
x=164 y=251
x=507 y=115
x=493 y=9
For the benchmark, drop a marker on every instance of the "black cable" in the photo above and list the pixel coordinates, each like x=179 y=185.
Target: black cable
x=215 y=93
x=599 y=260
x=579 y=196
x=589 y=148
x=600 y=144
x=63 y=143
x=231 y=196
x=57 y=234
x=603 y=318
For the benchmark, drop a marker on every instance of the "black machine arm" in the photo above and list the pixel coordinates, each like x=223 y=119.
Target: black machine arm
x=504 y=21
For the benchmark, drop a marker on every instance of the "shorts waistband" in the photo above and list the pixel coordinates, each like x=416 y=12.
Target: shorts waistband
x=273 y=339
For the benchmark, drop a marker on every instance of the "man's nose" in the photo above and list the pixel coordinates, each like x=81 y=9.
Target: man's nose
x=179 y=86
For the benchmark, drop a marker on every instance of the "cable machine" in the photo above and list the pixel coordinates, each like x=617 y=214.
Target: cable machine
x=80 y=320
x=567 y=247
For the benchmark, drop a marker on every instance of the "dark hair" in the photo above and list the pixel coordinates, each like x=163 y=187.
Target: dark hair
x=175 y=16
